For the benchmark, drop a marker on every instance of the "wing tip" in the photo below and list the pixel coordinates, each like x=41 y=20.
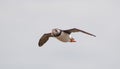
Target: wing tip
x=40 y=45
x=94 y=35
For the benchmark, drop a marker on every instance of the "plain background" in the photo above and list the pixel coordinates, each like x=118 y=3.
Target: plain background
x=23 y=22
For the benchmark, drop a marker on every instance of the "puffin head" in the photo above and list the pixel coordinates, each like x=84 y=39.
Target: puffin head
x=56 y=32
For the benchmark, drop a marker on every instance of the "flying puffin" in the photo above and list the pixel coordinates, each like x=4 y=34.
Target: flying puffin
x=62 y=35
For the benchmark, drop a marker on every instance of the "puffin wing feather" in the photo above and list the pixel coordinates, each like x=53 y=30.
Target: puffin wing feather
x=44 y=39
x=77 y=30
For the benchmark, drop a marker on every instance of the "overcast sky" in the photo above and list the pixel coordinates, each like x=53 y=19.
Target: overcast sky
x=23 y=22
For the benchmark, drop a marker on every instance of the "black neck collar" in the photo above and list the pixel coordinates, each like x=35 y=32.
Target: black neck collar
x=58 y=34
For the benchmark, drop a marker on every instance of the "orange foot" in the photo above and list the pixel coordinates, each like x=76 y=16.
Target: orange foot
x=72 y=40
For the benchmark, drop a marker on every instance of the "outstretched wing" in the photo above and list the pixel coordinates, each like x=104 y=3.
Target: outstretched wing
x=44 y=39
x=77 y=30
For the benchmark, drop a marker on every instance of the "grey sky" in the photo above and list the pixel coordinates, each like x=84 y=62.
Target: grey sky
x=23 y=22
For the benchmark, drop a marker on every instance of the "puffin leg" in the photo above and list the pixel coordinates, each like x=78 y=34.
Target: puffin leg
x=72 y=40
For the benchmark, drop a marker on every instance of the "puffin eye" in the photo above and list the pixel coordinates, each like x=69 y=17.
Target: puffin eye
x=55 y=30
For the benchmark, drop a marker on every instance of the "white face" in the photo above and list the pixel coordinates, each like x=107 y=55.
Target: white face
x=55 y=31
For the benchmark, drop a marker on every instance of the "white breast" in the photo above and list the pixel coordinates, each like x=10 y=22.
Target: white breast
x=64 y=37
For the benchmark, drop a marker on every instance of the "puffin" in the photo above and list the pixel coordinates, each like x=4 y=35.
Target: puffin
x=61 y=35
